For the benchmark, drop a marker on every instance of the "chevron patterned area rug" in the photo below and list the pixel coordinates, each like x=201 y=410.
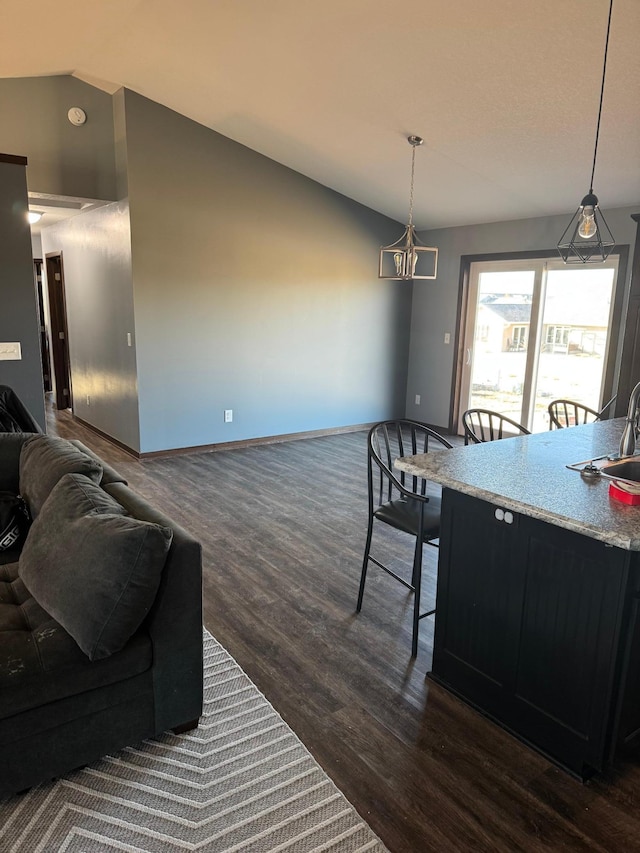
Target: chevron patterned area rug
x=242 y=781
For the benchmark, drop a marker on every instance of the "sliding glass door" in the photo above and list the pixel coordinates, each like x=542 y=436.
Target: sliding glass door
x=536 y=331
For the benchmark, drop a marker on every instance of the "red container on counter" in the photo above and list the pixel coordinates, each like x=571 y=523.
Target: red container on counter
x=628 y=493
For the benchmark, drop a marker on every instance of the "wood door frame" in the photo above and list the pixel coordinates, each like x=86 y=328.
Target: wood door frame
x=58 y=324
x=621 y=251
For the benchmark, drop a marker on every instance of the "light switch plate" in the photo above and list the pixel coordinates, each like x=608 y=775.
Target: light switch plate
x=10 y=352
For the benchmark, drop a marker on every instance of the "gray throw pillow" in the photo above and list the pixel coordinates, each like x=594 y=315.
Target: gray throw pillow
x=95 y=571
x=44 y=460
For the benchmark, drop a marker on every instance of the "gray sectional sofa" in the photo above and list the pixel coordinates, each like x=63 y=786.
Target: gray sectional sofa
x=100 y=616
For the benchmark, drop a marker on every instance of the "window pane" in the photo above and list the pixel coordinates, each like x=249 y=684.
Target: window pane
x=575 y=331
x=503 y=316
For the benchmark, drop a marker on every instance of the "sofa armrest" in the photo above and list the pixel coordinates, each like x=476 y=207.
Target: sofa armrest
x=175 y=620
x=10 y=447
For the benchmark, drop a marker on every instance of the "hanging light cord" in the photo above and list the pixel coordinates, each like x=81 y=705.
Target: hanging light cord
x=414 y=141
x=413 y=169
x=604 y=71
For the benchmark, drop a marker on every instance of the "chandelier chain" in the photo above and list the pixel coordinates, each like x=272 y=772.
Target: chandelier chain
x=604 y=71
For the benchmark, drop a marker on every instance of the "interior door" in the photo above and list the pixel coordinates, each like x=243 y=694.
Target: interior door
x=59 y=333
x=44 y=339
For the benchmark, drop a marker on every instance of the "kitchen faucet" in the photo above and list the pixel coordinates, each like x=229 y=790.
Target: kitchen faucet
x=628 y=440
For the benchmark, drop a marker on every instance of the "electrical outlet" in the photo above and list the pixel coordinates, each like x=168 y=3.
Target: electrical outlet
x=447 y=337
x=228 y=416
x=128 y=339
x=88 y=400
x=417 y=399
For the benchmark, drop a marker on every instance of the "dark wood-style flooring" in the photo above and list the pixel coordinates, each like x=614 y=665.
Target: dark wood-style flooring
x=282 y=528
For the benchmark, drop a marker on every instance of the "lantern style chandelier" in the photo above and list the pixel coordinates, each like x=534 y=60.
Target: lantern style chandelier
x=587 y=238
x=408 y=258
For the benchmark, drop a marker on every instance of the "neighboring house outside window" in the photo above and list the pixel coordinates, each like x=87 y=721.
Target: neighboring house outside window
x=557 y=338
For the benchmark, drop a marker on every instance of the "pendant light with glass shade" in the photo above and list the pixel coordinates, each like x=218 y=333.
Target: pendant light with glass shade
x=408 y=258
x=587 y=238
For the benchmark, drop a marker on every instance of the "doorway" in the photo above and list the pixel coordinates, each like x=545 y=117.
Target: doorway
x=44 y=338
x=536 y=330
x=59 y=332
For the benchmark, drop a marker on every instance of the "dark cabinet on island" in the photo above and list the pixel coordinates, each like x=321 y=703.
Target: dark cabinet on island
x=530 y=620
x=536 y=611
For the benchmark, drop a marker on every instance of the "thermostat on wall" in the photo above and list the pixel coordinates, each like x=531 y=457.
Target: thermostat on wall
x=77 y=116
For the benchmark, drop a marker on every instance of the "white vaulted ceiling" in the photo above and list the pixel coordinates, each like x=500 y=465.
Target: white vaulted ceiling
x=504 y=92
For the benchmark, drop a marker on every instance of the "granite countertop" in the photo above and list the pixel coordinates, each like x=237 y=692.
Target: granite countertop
x=528 y=474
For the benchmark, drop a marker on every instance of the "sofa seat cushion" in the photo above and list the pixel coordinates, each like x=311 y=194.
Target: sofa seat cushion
x=44 y=460
x=96 y=571
x=40 y=662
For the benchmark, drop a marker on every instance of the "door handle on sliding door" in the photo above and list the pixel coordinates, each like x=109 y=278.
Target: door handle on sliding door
x=468 y=361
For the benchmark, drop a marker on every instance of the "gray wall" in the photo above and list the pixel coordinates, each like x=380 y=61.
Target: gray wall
x=244 y=285
x=255 y=290
x=251 y=287
x=96 y=257
x=431 y=361
x=63 y=159
x=18 y=315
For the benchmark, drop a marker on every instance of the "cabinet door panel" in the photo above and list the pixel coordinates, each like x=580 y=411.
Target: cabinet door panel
x=571 y=616
x=568 y=625
x=477 y=592
x=630 y=689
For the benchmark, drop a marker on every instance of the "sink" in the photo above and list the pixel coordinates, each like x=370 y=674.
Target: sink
x=626 y=469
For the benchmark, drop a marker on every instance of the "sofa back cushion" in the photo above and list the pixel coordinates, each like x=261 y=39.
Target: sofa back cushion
x=109 y=474
x=44 y=460
x=10 y=449
x=91 y=567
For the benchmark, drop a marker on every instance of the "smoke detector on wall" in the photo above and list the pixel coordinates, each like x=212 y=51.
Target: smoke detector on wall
x=77 y=116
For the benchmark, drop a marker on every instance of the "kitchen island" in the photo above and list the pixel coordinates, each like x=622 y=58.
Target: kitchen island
x=538 y=591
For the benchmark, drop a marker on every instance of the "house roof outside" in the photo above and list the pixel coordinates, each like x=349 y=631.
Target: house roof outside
x=513 y=313
x=561 y=309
